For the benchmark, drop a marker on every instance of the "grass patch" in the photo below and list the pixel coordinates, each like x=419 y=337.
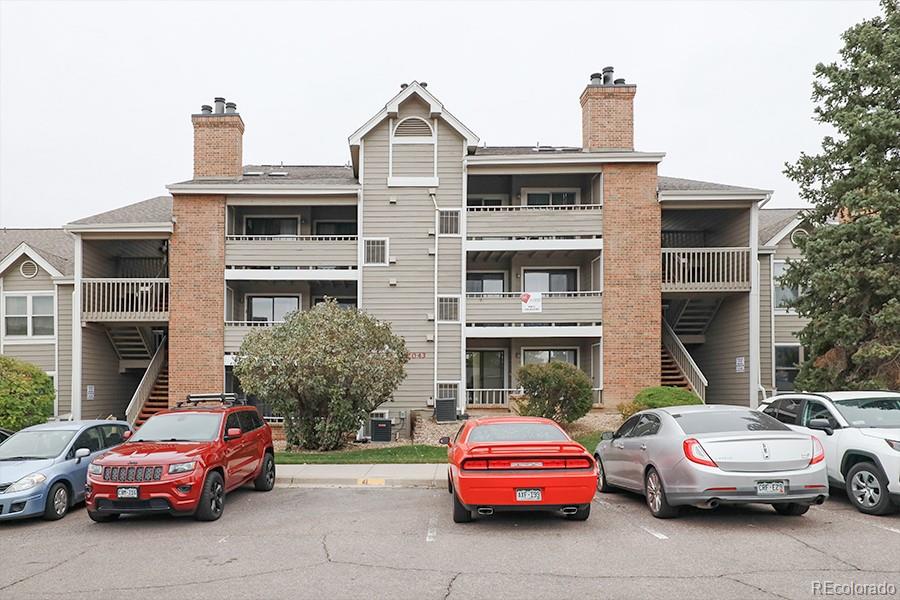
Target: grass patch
x=414 y=453
x=589 y=440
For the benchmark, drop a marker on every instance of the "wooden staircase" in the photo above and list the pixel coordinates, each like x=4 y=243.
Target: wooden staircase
x=158 y=400
x=695 y=315
x=670 y=374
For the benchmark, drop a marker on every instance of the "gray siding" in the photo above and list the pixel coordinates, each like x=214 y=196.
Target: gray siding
x=13 y=281
x=787 y=325
x=727 y=338
x=487 y=223
x=765 y=322
x=291 y=253
x=64 y=341
x=100 y=368
x=41 y=355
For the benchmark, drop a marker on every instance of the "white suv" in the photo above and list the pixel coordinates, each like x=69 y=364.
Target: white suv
x=860 y=432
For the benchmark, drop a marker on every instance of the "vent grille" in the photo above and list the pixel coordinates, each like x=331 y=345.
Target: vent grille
x=132 y=473
x=28 y=269
x=413 y=127
x=375 y=252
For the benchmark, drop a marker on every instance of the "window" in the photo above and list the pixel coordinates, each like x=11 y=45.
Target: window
x=816 y=410
x=626 y=427
x=448 y=222
x=245 y=417
x=271 y=309
x=180 y=426
x=485 y=370
x=787 y=410
x=695 y=423
x=447 y=391
x=485 y=201
x=517 y=432
x=646 y=425
x=90 y=438
x=376 y=251
x=784 y=296
x=551 y=197
x=270 y=225
x=550 y=280
x=112 y=435
x=335 y=227
x=485 y=283
x=787 y=364
x=448 y=309
x=29 y=315
x=536 y=356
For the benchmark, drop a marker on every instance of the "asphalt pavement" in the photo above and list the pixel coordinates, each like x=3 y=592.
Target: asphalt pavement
x=395 y=543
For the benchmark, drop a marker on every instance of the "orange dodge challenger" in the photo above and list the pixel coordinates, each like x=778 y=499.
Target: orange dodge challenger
x=518 y=463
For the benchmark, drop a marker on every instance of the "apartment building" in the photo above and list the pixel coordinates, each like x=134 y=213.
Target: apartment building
x=483 y=258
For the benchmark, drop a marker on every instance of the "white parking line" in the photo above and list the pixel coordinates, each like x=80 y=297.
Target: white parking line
x=655 y=534
x=432 y=530
x=891 y=529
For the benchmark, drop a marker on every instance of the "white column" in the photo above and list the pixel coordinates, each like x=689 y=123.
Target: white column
x=76 y=331
x=754 y=305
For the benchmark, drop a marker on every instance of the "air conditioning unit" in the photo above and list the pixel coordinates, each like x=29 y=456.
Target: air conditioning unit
x=381 y=430
x=445 y=410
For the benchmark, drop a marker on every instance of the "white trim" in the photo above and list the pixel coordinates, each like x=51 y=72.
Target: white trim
x=523 y=195
x=543 y=331
x=360 y=245
x=119 y=227
x=565 y=158
x=714 y=195
x=390 y=149
x=800 y=358
x=297 y=295
x=29 y=337
x=76 y=331
x=783 y=233
x=772 y=319
x=413 y=182
x=248 y=189
x=387 y=251
x=755 y=380
x=463 y=226
x=2 y=320
x=535 y=244
x=600 y=374
x=28 y=261
x=24 y=249
x=524 y=268
x=347 y=199
x=291 y=274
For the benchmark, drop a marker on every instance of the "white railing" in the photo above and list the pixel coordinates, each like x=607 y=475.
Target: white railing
x=705 y=269
x=145 y=387
x=585 y=294
x=291 y=238
x=252 y=323
x=532 y=207
x=132 y=299
x=489 y=397
x=684 y=361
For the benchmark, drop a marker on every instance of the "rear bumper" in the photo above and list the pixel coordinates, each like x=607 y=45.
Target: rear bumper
x=498 y=490
x=176 y=496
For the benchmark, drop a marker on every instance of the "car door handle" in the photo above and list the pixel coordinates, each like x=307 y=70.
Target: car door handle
x=619 y=446
x=643 y=446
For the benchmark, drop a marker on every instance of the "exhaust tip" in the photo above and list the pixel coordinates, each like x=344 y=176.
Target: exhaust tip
x=570 y=510
x=820 y=500
x=486 y=511
x=713 y=503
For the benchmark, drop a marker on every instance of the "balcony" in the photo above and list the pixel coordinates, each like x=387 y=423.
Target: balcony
x=534 y=222
x=236 y=331
x=291 y=251
x=556 y=307
x=705 y=269
x=500 y=397
x=133 y=299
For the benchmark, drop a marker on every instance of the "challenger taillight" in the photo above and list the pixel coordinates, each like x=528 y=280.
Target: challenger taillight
x=818 y=451
x=695 y=453
x=525 y=464
x=475 y=465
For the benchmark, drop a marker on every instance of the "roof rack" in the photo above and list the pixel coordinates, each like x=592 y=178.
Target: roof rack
x=225 y=399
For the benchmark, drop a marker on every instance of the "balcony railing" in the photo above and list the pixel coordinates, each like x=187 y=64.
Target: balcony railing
x=705 y=269
x=144 y=299
x=236 y=331
x=523 y=221
x=499 y=397
x=556 y=307
x=291 y=251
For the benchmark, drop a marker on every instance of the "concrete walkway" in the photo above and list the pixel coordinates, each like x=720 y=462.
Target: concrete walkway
x=398 y=475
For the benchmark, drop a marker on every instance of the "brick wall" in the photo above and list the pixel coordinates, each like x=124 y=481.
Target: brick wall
x=218 y=145
x=607 y=117
x=197 y=296
x=631 y=281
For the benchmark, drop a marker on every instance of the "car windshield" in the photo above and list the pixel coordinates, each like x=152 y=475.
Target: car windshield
x=36 y=444
x=871 y=412
x=517 y=432
x=179 y=427
x=722 y=421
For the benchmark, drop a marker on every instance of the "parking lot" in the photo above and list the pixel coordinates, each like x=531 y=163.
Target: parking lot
x=401 y=543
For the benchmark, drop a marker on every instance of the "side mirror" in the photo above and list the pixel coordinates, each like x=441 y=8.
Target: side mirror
x=607 y=435
x=821 y=425
x=232 y=433
x=444 y=441
x=81 y=453
x=126 y=435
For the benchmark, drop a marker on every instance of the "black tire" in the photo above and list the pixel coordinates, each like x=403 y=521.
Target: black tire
x=791 y=509
x=99 y=517
x=265 y=481
x=582 y=514
x=212 y=499
x=655 y=494
x=602 y=484
x=460 y=513
x=867 y=488
x=58 y=502
x=449 y=484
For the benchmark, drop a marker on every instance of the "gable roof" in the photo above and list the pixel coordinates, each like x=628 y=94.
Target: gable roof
x=776 y=223
x=677 y=184
x=323 y=175
x=54 y=248
x=154 y=212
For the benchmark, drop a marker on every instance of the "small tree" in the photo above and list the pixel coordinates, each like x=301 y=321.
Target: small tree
x=324 y=370
x=26 y=394
x=555 y=390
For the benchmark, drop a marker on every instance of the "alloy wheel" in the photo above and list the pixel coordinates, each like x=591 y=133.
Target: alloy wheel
x=600 y=476
x=866 y=489
x=270 y=472
x=61 y=501
x=218 y=498
x=654 y=493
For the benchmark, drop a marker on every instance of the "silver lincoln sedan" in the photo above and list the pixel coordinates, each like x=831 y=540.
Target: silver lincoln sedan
x=709 y=455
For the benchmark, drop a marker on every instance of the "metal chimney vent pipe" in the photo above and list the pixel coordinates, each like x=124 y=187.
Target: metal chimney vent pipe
x=607 y=75
x=619 y=82
x=403 y=86
x=220 y=105
x=206 y=109
x=230 y=108
x=596 y=79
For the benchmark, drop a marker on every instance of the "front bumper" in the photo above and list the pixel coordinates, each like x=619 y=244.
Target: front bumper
x=174 y=494
x=697 y=484
x=498 y=489
x=21 y=505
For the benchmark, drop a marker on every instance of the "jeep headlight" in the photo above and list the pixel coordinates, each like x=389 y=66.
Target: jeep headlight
x=182 y=467
x=27 y=482
x=95 y=469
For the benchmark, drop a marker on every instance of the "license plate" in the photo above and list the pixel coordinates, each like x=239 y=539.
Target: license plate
x=770 y=488
x=127 y=492
x=528 y=495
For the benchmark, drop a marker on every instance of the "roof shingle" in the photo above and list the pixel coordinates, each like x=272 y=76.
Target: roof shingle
x=153 y=210
x=54 y=245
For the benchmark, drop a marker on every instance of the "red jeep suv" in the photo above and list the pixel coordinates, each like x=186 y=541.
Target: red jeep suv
x=183 y=461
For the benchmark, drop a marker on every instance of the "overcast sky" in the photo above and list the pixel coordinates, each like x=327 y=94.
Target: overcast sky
x=95 y=98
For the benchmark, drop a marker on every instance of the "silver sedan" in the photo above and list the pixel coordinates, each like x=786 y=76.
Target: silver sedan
x=709 y=455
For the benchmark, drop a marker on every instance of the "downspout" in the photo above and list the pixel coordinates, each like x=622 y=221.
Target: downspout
x=437 y=214
x=754 y=306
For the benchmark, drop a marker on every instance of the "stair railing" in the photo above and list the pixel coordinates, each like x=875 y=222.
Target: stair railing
x=145 y=387
x=683 y=359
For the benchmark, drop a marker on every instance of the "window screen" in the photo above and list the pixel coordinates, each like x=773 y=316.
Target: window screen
x=376 y=252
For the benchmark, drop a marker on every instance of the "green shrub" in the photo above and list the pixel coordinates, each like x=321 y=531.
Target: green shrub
x=26 y=394
x=658 y=397
x=556 y=390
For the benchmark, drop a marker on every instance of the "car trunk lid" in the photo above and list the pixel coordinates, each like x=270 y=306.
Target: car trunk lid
x=768 y=452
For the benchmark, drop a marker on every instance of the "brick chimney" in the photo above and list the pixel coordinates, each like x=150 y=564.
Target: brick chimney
x=607 y=113
x=218 y=141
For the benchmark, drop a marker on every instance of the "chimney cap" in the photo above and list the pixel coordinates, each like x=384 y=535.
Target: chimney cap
x=219 y=99
x=206 y=109
x=596 y=75
x=403 y=86
x=620 y=81
x=608 y=69
x=424 y=84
